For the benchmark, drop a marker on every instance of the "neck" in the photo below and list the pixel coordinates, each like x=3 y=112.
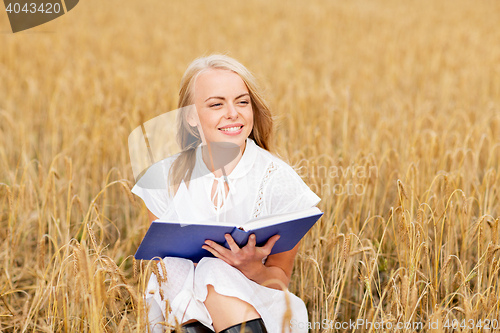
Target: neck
x=216 y=159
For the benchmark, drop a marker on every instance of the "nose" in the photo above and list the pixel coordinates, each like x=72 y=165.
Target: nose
x=231 y=111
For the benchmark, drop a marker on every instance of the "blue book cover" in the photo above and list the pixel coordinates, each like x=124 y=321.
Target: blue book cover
x=184 y=239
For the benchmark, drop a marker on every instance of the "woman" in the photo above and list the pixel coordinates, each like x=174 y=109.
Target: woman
x=232 y=182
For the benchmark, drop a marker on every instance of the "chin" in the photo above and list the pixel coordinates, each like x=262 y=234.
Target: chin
x=237 y=141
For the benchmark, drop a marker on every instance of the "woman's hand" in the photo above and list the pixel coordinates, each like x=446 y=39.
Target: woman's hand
x=247 y=259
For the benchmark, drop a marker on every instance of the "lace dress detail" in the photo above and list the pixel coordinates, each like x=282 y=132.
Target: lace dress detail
x=271 y=168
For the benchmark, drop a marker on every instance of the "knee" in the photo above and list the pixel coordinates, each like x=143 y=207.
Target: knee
x=169 y=276
x=212 y=266
x=173 y=264
x=175 y=261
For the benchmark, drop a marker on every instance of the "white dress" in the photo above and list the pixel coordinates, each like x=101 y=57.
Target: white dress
x=261 y=184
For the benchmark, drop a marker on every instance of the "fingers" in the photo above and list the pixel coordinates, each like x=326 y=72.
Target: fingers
x=251 y=240
x=223 y=251
x=212 y=250
x=217 y=254
x=232 y=244
x=237 y=256
x=270 y=243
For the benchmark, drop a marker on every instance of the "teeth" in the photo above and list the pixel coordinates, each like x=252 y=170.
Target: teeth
x=231 y=129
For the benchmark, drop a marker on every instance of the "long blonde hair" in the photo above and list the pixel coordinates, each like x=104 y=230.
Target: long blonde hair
x=189 y=138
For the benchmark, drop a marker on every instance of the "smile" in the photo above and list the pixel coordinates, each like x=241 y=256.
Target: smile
x=231 y=129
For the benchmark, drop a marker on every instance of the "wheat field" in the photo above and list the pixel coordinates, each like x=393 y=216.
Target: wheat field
x=389 y=110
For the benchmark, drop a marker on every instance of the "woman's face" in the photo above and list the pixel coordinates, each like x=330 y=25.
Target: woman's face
x=224 y=108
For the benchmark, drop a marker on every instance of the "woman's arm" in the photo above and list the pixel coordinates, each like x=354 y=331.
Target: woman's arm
x=151 y=217
x=285 y=261
x=278 y=266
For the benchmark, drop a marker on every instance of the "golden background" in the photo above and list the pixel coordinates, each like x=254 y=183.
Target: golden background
x=409 y=89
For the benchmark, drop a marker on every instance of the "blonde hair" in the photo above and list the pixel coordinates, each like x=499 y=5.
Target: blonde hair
x=189 y=138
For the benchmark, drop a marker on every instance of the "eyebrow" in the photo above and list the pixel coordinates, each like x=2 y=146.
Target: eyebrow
x=224 y=98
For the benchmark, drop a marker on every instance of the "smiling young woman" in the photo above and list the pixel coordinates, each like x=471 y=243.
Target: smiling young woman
x=221 y=106
x=225 y=114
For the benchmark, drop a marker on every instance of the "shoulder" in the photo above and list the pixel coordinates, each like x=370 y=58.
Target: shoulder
x=152 y=186
x=279 y=177
x=156 y=175
x=274 y=164
x=282 y=187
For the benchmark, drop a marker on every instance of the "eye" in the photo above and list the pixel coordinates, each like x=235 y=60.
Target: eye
x=244 y=102
x=215 y=105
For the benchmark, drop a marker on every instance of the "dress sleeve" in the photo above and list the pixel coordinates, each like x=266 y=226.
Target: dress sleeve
x=152 y=188
x=287 y=192
x=156 y=200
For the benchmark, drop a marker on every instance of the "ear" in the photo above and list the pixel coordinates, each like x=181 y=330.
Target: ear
x=191 y=115
x=192 y=121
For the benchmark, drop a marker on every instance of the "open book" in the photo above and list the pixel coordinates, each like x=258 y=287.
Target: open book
x=185 y=239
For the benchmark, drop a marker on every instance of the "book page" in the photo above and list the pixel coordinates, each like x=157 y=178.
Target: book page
x=275 y=219
x=255 y=223
x=185 y=223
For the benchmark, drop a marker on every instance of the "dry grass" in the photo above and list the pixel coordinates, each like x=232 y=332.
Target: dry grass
x=407 y=90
